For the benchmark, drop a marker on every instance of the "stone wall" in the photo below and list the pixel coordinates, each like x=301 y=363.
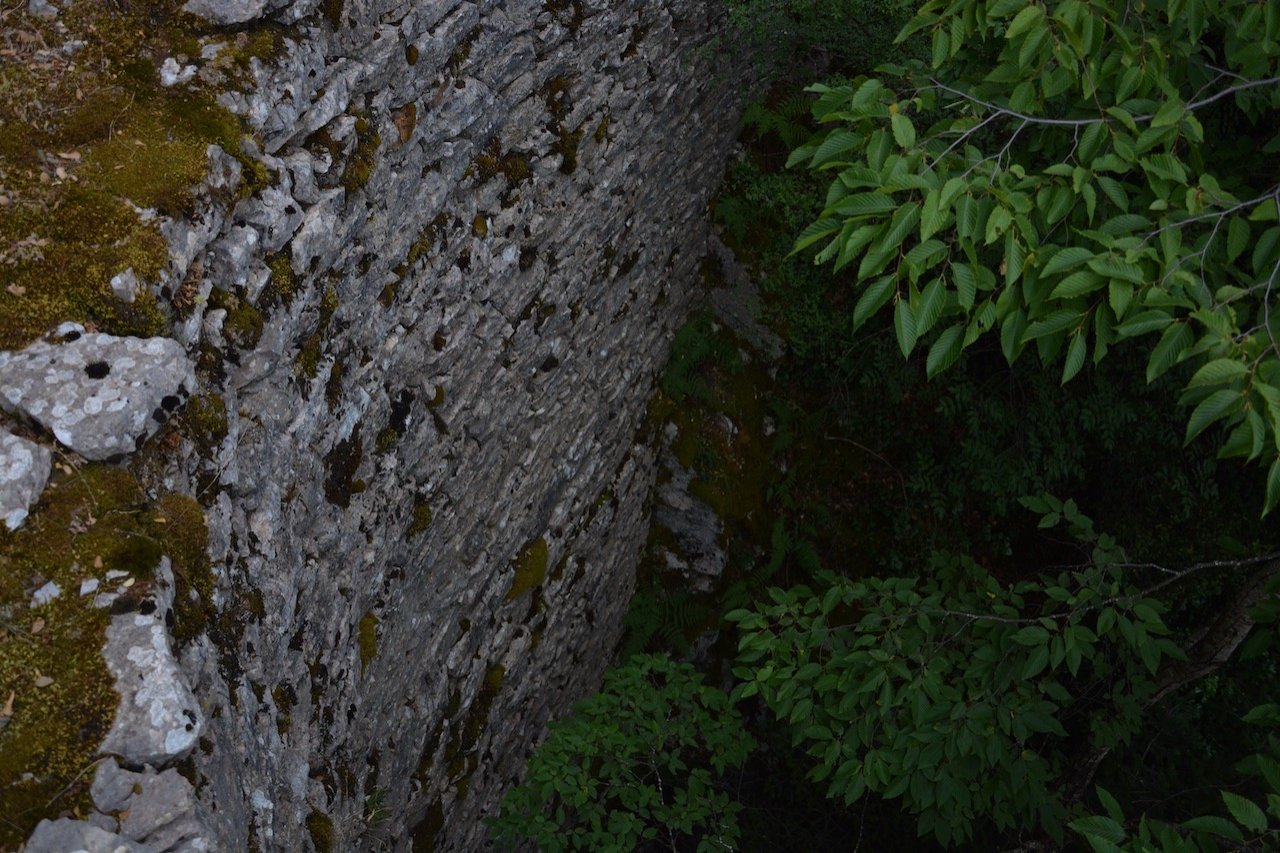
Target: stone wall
x=434 y=337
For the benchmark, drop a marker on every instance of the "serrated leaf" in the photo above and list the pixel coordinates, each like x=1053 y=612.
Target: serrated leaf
x=1173 y=343
x=1214 y=825
x=1220 y=371
x=904 y=132
x=872 y=299
x=1078 y=283
x=815 y=232
x=929 y=308
x=1273 y=488
x=1217 y=405
x=1237 y=238
x=904 y=326
x=1059 y=320
x=1245 y=811
x=864 y=204
x=1169 y=114
x=945 y=350
x=1111 y=268
x=966 y=284
x=834 y=145
x=1028 y=18
x=1147 y=321
x=1099 y=826
x=1068 y=258
x=1075 y=356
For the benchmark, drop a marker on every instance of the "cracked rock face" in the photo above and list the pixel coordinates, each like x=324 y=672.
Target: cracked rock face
x=99 y=395
x=24 y=470
x=158 y=720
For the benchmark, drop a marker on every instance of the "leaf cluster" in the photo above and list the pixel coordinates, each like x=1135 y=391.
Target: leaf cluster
x=638 y=763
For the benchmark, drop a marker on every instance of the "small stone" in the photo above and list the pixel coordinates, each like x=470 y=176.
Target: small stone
x=42 y=9
x=226 y=11
x=172 y=73
x=125 y=285
x=45 y=594
x=24 y=470
x=63 y=834
x=95 y=392
x=88 y=585
x=112 y=786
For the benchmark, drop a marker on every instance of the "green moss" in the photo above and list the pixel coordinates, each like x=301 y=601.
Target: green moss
x=601 y=134
x=368 y=640
x=283 y=281
x=421 y=518
x=243 y=324
x=88 y=522
x=308 y=361
x=186 y=542
x=385 y=440
x=334 y=12
x=437 y=399
x=204 y=421
x=462 y=52
x=333 y=388
x=320 y=827
x=411 y=54
x=530 y=568
x=480 y=226
x=359 y=167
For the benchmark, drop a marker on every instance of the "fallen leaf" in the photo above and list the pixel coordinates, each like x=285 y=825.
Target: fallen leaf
x=160 y=519
x=73 y=156
x=127 y=583
x=37 y=626
x=97 y=562
x=7 y=710
x=16 y=290
x=43 y=681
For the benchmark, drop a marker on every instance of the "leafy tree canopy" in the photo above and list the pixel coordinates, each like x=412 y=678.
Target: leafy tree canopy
x=1069 y=176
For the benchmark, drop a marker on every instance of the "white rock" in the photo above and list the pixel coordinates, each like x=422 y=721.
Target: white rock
x=24 y=470
x=45 y=594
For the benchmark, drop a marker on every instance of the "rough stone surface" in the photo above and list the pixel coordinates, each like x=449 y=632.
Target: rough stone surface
x=99 y=395
x=24 y=469
x=72 y=836
x=433 y=338
x=226 y=11
x=158 y=720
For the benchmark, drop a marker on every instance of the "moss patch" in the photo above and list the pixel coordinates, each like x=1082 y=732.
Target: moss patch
x=83 y=137
x=359 y=167
x=89 y=521
x=320 y=828
x=368 y=640
x=421 y=519
x=531 y=568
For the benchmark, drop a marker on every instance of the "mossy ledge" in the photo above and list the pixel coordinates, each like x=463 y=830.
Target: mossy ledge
x=531 y=568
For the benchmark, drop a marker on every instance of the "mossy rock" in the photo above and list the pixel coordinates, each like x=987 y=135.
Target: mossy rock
x=89 y=521
x=531 y=568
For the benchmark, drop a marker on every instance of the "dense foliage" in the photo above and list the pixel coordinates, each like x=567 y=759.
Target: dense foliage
x=1089 y=179
x=1080 y=175
x=637 y=764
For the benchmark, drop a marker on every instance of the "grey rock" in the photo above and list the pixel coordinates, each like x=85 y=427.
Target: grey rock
x=24 y=470
x=158 y=719
x=226 y=11
x=74 y=836
x=42 y=9
x=125 y=285
x=112 y=786
x=99 y=395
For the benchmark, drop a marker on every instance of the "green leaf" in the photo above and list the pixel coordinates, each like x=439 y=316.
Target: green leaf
x=1147 y=321
x=872 y=299
x=1029 y=18
x=1075 y=356
x=1066 y=259
x=1169 y=114
x=1273 y=488
x=1173 y=343
x=1237 y=238
x=835 y=145
x=1098 y=826
x=945 y=350
x=1078 y=283
x=932 y=300
x=1036 y=663
x=815 y=232
x=904 y=326
x=1214 y=825
x=1220 y=371
x=863 y=204
x=1246 y=812
x=904 y=132
x=1059 y=320
x=1217 y=405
